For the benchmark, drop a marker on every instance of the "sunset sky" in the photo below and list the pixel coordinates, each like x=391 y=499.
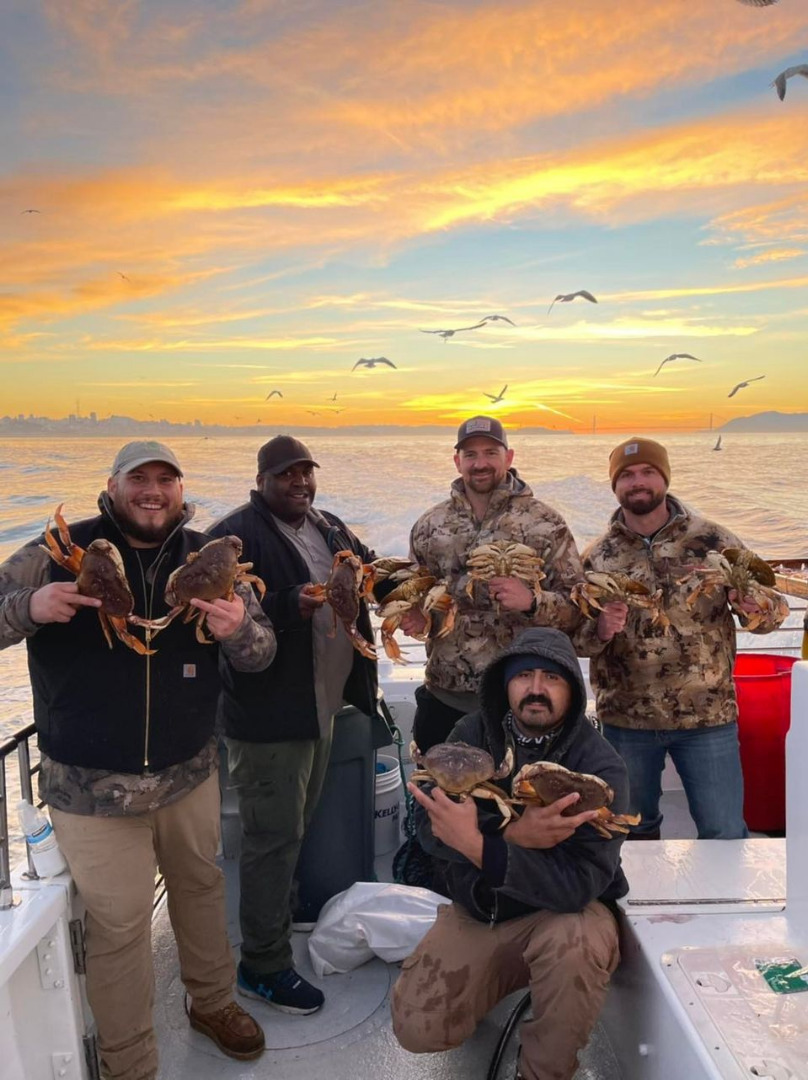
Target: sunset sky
x=238 y=197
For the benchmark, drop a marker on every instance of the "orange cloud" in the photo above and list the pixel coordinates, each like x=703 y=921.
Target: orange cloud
x=771 y=255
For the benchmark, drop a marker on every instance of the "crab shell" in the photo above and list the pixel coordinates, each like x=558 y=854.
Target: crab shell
x=458 y=768
x=102 y=576
x=547 y=781
x=208 y=574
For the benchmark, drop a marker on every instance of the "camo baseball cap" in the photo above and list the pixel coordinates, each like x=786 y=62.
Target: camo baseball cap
x=141 y=452
x=486 y=426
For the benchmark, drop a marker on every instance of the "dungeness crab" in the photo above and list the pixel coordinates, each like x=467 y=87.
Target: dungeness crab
x=418 y=592
x=343 y=591
x=463 y=770
x=544 y=782
x=208 y=574
x=99 y=573
x=504 y=558
x=750 y=576
x=599 y=588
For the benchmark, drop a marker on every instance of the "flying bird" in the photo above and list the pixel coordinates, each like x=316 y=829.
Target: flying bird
x=758 y=3
x=564 y=298
x=312 y=412
x=272 y=394
x=499 y=396
x=30 y=211
x=498 y=318
x=741 y=385
x=676 y=356
x=372 y=361
x=333 y=398
x=780 y=82
x=123 y=276
x=446 y=334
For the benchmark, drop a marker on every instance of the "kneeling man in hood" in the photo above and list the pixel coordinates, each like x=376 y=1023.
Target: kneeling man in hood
x=533 y=903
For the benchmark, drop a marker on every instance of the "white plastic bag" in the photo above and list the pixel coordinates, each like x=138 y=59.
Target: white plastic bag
x=372 y=918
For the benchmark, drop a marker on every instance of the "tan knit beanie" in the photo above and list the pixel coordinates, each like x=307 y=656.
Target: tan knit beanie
x=639 y=451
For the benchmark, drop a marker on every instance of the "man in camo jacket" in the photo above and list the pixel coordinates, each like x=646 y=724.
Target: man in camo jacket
x=662 y=689
x=129 y=757
x=488 y=502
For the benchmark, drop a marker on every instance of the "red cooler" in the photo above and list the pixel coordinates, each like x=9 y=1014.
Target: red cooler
x=763 y=688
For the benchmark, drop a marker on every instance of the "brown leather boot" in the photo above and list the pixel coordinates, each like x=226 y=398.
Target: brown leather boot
x=232 y=1029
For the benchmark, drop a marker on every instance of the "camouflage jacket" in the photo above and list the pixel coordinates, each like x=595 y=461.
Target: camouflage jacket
x=648 y=678
x=441 y=540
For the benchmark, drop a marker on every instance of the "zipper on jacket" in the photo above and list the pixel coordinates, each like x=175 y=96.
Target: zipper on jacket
x=493 y=916
x=148 y=593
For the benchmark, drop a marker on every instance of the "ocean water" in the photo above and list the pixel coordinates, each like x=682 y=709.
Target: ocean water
x=380 y=484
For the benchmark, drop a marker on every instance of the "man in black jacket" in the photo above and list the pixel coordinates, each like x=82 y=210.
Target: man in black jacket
x=129 y=755
x=279 y=724
x=531 y=902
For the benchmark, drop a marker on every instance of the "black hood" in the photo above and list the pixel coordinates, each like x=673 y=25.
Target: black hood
x=538 y=641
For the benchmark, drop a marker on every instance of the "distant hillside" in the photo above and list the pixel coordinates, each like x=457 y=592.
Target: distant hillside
x=768 y=421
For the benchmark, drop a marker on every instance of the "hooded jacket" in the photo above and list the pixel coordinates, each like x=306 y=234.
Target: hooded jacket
x=112 y=709
x=279 y=704
x=515 y=880
x=442 y=539
x=646 y=677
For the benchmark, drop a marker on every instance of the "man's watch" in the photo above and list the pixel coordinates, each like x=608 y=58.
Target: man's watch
x=534 y=606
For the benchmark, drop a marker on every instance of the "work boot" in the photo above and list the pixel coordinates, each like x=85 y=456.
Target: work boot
x=232 y=1029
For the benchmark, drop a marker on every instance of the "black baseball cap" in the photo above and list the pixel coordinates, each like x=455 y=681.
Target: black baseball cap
x=281 y=452
x=486 y=426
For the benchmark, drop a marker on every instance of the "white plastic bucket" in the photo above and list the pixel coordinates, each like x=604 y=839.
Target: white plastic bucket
x=388 y=809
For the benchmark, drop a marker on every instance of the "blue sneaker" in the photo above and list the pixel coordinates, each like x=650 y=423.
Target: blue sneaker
x=285 y=990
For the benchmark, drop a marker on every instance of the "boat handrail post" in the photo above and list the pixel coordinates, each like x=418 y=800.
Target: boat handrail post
x=797 y=801
x=6 y=893
x=26 y=792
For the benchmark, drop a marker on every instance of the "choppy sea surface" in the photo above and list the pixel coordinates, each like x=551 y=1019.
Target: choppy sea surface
x=755 y=485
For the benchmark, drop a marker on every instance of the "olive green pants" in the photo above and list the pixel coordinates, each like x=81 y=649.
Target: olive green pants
x=463 y=967
x=278 y=787
x=113 y=861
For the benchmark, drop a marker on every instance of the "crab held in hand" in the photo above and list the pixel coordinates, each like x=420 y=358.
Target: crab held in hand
x=99 y=573
x=418 y=592
x=598 y=589
x=750 y=576
x=463 y=770
x=208 y=574
x=504 y=558
x=544 y=782
x=343 y=591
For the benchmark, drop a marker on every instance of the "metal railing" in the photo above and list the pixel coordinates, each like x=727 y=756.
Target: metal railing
x=17 y=743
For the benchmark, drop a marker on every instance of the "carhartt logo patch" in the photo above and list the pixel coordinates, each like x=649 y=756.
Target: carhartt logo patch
x=480 y=424
x=189 y=671
x=632 y=448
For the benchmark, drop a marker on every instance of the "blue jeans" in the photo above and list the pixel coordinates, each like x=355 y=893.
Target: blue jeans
x=708 y=761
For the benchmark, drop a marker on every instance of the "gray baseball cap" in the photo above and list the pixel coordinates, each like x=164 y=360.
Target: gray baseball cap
x=141 y=452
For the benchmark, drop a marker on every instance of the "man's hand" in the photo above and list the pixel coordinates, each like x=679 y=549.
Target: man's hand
x=748 y=606
x=544 y=827
x=510 y=593
x=58 y=602
x=413 y=622
x=224 y=616
x=612 y=620
x=453 y=823
x=308 y=602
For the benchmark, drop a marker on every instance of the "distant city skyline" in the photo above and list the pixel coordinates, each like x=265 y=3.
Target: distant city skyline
x=204 y=203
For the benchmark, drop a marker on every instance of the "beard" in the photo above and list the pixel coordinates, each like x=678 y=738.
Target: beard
x=530 y=720
x=146 y=534
x=642 y=502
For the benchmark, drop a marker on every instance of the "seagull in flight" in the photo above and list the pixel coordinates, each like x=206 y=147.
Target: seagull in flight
x=312 y=412
x=30 y=211
x=780 y=82
x=741 y=385
x=498 y=318
x=446 y=334
x=758 y=3
x=333 y=398
x=372 y=362
x=676 y=356
x=497 y=397
x=123 y=276
x=564 y=298
x=272 y=394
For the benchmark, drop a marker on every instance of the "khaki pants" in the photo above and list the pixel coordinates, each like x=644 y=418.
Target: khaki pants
x=463 y=967
x=113 y=862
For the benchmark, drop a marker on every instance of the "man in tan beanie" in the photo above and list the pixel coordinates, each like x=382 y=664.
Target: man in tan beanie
x=667 y=690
